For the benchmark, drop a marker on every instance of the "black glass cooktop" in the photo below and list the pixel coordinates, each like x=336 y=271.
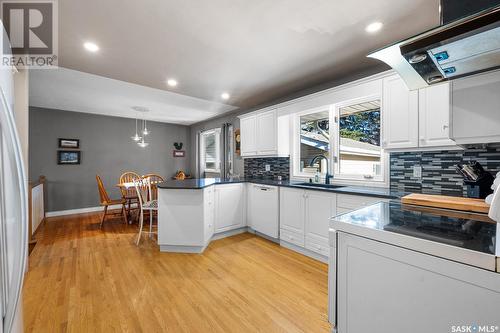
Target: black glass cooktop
x=470 y=231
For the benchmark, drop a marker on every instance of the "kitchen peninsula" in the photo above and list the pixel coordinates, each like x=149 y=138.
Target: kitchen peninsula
x=193 y=212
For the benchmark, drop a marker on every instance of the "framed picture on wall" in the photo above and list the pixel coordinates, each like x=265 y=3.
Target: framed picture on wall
x=68 y=157
x=69 y=143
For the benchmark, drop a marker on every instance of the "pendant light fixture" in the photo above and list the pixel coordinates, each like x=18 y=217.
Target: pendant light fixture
x=143 y=144
x=145 y=130
x=136 y=137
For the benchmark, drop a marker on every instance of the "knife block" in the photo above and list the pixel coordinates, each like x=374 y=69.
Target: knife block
x=480 y=188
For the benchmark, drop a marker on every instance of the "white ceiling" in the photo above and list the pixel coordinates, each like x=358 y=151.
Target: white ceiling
x=257 y=50
x=71 y=90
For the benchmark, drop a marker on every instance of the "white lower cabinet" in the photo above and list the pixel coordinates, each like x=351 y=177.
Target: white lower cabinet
x=320 y=207
x=382 y=288
x=304 y=218
x=230 y=207
x=292 y=211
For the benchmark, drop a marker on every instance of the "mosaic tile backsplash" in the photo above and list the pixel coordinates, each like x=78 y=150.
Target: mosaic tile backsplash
x=256 y=168
x=438 y=172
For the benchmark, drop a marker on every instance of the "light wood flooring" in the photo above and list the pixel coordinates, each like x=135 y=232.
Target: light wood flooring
x=83 y=279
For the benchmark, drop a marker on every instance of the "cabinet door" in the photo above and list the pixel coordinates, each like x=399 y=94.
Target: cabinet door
x=229 y=207
x=266 y=133
x=373 y=280
x=475 y=115
x=434 y=116
x=320 y=207
x=399 y=115
x=292 y=210
x=248 y=136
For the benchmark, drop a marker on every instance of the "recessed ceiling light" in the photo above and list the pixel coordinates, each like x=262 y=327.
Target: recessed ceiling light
x=172 y=82
x=225 y=95
x=374 y=27
x=92 y=47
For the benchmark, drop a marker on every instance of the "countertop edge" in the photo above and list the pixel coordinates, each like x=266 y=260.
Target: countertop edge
x=349 y=190
x=445 y=251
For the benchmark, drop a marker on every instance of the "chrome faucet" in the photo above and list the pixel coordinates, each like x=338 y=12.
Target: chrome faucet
x=327 y=176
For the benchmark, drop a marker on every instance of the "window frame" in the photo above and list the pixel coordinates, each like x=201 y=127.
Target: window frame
x=334 y=110
x=203 y=135
x=296 y=141
x=383 y=155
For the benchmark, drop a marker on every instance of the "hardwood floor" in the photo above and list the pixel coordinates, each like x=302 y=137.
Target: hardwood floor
x=82 y=279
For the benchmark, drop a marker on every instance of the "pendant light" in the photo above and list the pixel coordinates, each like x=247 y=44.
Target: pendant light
x=145 y=131
x=136 y=137
x=143 y=144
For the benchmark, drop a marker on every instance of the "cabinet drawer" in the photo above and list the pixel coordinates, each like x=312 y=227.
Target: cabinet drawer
x=292 y=237
x=318 y=247
x=352 y=202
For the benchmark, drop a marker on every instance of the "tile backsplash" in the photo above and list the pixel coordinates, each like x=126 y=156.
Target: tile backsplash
x=438 y=171
x=256 y=167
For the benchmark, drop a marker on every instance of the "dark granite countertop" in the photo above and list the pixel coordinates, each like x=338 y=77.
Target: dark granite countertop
x=475 y=232
x=355 y=190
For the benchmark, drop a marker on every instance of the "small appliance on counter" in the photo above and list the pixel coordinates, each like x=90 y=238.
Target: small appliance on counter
x=476 y=179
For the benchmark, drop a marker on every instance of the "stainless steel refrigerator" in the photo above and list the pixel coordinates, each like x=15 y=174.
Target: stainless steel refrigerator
x=13 y=207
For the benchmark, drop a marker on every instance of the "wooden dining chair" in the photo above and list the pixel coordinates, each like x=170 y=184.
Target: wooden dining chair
x=106 y=201
x=129 y=193
x=143 y=189
x=154 y=180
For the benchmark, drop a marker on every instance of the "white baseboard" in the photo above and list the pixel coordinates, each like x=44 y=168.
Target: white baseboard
x=82 y=210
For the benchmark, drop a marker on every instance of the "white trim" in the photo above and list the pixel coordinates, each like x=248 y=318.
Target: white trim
x=383 y=180
x=295 y=156
x=217 y=133
x=83 y=210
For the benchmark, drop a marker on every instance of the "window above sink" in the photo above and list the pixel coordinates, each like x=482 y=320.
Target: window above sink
x=348 y=134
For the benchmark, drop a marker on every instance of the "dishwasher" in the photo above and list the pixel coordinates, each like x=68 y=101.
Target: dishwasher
x=264 y=209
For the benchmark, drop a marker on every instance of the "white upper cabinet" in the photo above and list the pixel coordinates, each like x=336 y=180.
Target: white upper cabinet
x=434 y=116
x=400 y=115
x=475 y=116
x=248 y=133
x=265 y=134
x=415 y=119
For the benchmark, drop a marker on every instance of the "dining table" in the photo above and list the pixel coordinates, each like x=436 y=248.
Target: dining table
x=129 y=185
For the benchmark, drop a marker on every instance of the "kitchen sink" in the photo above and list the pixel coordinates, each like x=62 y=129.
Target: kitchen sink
x=318 y=185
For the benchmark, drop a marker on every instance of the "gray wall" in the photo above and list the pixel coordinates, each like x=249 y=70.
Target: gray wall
x=106 y=149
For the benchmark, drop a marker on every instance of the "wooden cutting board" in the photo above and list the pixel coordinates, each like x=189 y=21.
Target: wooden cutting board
x=447 y=202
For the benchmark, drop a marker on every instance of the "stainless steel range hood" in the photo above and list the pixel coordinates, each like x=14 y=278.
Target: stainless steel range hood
x=461 y=48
